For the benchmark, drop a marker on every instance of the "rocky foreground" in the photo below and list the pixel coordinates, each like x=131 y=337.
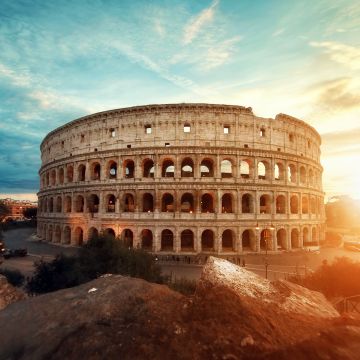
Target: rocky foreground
x=234 y=314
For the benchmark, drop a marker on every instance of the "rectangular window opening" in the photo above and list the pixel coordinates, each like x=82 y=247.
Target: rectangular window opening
x=226 y=129
x=128 y=146
x=112 y=133
x=187 y=128
x=167 y=144
x=148 y=129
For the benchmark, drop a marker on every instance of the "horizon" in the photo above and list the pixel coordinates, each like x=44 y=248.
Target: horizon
x=61 y=61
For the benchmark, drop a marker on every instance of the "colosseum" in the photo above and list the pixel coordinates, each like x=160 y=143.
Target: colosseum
x=183 y=179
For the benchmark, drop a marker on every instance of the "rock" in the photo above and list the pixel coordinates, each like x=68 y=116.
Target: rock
x=8 y=293
x=234 y=314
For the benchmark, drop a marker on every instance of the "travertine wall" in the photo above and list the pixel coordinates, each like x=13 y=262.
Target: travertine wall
x=183 y=178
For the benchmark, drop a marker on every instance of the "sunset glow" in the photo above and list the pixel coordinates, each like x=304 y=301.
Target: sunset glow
x=60 y=60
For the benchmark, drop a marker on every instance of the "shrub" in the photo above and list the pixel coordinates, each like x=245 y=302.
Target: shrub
x=340 y=278
x=14 y=277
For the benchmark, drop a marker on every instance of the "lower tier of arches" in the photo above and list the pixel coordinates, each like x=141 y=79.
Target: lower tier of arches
x=189 y=238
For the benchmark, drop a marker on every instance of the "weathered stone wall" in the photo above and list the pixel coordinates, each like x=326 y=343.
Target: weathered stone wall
x=182 y=179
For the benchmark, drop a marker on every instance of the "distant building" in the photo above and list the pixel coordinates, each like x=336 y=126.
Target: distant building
x=17 y=207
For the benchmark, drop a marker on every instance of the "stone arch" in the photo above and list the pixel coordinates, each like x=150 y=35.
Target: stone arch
x=81 y=172
x=207 y=203
x=66 y=235
x=78 y=236
x=95 y=171
x=51 y=205
x=147 y=202
x=93 y=203
x=129 y=202
x=294 y=204
x=227 y=240
x=93 y=233
x=187 y=240
x=112 y=169
x=263 y=170
x=281 y=239
x=207 y=168
x=280 y=204
x=168 y=168
x=311 y=177
x=304 y=205
x=167 y=240
x=313 y=205
x=227 y=203
x=207 y=240
x=314 y=238
x=187 y=167
x=279 y=171
x=295 y=239
x=306 y=239
x=148 y=168
x=146 y=239
x=302 y=175
x=79 y=203
x=53 y=177
x=248 y=240
x=57 y=235
x=247 y=204
x=129 y=169
x=127 y=237
x=292 y=176
x=110 y=203
x=47 y=177
x=67 y=204
x=245 y=168
x=58 y=205
x=266 y=239
x=61 y=176
x=265 y=204
x=69 y=173
x=109 y=232
x=226 y=168
x=167 y=203
x=187 y=203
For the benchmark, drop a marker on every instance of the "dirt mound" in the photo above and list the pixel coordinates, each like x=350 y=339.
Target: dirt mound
x=233 y=315
x=8 y=293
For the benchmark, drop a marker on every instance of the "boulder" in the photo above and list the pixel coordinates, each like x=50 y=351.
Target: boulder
x=8 y=293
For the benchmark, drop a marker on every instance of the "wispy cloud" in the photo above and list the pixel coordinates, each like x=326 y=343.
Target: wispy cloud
x=340 y=53
x=194 y=26
x=278 y=32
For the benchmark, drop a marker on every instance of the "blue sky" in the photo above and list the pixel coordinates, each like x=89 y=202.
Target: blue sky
x=64 y=59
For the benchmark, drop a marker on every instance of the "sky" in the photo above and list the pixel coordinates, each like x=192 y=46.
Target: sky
x=60 y=60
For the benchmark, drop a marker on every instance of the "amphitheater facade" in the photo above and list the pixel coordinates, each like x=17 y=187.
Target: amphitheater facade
x=183 y=179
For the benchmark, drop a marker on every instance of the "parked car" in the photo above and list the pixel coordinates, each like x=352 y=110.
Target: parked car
x=9 y=253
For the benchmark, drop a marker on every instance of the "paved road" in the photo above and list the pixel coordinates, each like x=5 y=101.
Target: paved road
x=279 y=264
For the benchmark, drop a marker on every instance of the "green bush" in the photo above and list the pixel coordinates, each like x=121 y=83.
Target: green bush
x=14 y=277
x=340 y=278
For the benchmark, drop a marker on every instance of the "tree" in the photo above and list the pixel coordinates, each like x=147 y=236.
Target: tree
x=4 y=210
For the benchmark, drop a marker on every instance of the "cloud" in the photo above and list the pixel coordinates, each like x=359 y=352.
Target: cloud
x=15 y=77
x=278 y=32
x=340 y=53
x=195 y=25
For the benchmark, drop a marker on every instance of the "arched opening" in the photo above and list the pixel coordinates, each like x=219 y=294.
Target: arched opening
x=314 y=238
x=47 y=179
x=61 y=176
x=248 y=240
x=265 y=204
x=95 y=171
x=294 y=204
x=129 y=203
x=262 y=170
x=57 y=237
x=148 y=203
x=227 y=240
x=245 y=169
x=187 y=168
x=167 y=240
x=304 y=205
x=281 y=239
x=302 y=175
x=207 y=204
x=187 y=240
x=109 y=232
x=110 y=203
x=292 y=173
x=247 y=204
x=311 y=177
x=66 y=235
x=207 y=240
x=79 y=203
x=53 y=177
x=295 y=243
x=51 y=205
x=226 y=169
x=81 y=172
x=127 y=237
x=265 y=239
x=112 y=169
x=129 y=169
x=148 y=168
x=187 y=203
x=306 y=239
x=167 y=203
x=280 y=204
x=146 y=239
x=313 y=205
x=226 y=204
x=78 y=236
x=58 y=204
x=69 y=174
x=93 y=233
x=168 y=169
x=67 y=204
x=93 y=203
x=206 y=168
x=49 y=234
x=279 y=171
